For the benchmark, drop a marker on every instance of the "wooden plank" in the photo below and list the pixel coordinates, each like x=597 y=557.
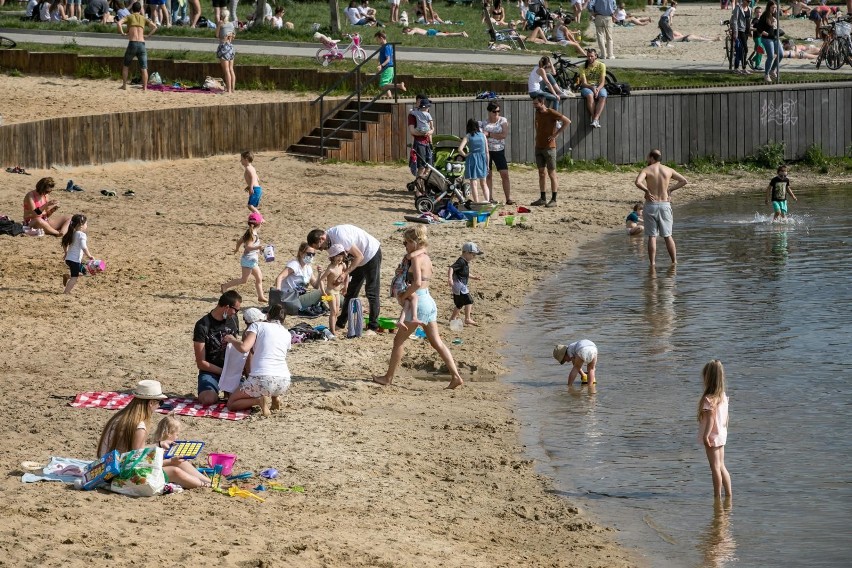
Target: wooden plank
x=810 y=121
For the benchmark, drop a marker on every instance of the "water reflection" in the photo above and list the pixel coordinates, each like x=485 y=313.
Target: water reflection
x=659 y=313
x=718 y=546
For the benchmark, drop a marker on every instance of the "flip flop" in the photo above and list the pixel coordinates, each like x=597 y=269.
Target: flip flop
x=76 y=187
x=129 y=193
x=108 y=192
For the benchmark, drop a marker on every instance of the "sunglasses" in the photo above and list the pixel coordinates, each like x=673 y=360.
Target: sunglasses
x=496 y=111
x=236 y=309
x=310 y=254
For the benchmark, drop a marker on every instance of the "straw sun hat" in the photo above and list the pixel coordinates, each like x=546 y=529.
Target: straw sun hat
x=150 y=390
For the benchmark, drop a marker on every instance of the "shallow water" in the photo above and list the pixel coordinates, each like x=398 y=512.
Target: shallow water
x=772 y=301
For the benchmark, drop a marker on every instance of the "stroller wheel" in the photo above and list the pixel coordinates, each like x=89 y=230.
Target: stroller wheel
x=424 y=204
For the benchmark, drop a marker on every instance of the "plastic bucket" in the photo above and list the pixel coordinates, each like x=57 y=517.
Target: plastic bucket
x=225 y=460
x=510 y=220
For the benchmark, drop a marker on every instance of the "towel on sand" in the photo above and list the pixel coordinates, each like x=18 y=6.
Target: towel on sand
x=65 y=470
x=178 y=405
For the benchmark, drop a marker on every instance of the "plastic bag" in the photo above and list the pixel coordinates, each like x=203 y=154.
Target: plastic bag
x=140 y=473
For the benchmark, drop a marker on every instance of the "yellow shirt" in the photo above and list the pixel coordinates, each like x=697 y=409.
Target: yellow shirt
x=135 y=21
x=592 y=75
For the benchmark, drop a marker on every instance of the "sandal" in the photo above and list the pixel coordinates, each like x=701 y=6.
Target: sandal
x=129 y=193
x=108 y=192
x=510 y=202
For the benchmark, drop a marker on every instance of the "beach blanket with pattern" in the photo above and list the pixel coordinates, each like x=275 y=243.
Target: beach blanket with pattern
x=178 y=405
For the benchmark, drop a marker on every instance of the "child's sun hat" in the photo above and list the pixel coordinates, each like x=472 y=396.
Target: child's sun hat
x=252 y=315
x=335 y=250
x=559 y=353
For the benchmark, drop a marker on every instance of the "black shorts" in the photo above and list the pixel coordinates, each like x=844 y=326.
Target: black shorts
x=220 y=3
x=75 y=267
x=498 y=158
x=462 y=300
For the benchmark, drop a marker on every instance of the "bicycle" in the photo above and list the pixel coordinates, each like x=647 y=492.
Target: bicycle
x=331 y=52
x=729 y=43
x=6 y=43
x=836 y=45
x=568 y=73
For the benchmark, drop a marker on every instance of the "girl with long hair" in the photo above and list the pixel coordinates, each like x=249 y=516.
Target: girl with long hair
x=75 y=245
x=250 y=241
x=713 y=425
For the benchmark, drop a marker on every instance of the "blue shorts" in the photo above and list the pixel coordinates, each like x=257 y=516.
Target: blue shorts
x=431 y=33
x=777 y=206
x=255 y=195
x=584 y=92
x=248 y=262
x=136 y=49
x=427 y=311
x=207 y=382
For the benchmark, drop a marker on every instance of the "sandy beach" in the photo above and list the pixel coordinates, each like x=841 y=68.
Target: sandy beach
x=408 y=475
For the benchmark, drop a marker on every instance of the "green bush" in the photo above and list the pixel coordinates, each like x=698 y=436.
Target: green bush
x=769 y=156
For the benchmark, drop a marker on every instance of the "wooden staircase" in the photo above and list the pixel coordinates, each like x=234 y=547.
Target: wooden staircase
x=350 y=142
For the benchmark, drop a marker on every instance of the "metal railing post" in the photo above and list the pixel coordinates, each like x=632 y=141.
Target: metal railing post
x=322 y=126
x=395 y=63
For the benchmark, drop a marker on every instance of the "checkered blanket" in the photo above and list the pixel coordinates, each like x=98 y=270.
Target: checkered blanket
x=182 y=406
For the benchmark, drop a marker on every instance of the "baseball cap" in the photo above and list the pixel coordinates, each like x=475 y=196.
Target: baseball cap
x=559 y=353
x=255 y=218
x=425 y=103
x=335 y=250
x=471 y=248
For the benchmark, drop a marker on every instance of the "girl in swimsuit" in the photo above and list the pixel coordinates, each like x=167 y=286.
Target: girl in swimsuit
x=250 y=241
x=39 y=210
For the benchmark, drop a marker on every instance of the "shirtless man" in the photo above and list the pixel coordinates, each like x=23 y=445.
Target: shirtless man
x=136 y=43
x=654 y=180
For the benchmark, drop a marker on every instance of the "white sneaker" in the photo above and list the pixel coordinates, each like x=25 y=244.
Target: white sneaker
x=611 y=57
x=596 y=124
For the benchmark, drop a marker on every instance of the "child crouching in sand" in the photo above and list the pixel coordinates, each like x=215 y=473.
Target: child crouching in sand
x=333 y=282
x=177 y=470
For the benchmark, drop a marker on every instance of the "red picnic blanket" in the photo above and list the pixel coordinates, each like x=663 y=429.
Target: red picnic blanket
x=182 y=406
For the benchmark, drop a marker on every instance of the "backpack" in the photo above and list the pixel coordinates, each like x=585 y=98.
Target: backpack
x=355 y=325
x=622 y=89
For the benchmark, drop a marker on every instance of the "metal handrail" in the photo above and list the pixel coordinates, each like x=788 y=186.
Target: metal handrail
x=359 y=88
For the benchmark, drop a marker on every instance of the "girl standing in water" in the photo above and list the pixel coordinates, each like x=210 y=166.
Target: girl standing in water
x=713 y=421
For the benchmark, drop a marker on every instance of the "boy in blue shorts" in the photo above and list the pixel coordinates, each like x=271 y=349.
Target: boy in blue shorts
x=777 y=191
x=252 y=182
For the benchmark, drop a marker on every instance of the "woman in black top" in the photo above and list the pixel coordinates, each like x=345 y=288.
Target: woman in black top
x=767 y=28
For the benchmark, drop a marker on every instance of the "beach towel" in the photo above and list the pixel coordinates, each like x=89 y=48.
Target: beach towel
x=178 y=405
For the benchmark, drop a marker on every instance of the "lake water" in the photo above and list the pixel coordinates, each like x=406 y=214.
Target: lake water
x=772 y=301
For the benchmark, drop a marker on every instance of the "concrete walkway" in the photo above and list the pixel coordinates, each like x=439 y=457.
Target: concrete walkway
x=431 y=55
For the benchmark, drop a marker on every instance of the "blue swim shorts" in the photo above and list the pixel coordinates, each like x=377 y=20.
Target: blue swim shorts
x=248 y=261
x=427 y=311
x=207 y=381
x=255 y=195
x=780 y=206
x=431 y=33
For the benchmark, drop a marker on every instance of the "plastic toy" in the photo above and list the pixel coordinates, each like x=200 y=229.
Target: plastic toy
x=101 y=471
x=95 y=266
x=185 y=449
x=269 y=473
x=240 y=476
x=225 y=460
x=216 y=482
x=235 y=491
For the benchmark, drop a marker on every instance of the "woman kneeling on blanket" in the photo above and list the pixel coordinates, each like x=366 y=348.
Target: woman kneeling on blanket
x=128 y=430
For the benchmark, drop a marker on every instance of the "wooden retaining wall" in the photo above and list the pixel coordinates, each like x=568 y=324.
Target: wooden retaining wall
x=174 y=133
x=729 y=124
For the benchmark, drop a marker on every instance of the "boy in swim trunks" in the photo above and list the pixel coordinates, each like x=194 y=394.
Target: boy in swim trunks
x=777 y=191
x=252 y=182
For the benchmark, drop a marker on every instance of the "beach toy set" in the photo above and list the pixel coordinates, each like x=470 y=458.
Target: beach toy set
x=95 y=266
x=101 y=471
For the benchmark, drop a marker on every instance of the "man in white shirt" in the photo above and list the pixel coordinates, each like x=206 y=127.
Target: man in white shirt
x=365 y=253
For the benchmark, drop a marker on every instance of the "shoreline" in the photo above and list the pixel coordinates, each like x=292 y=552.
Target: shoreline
x=399 y=476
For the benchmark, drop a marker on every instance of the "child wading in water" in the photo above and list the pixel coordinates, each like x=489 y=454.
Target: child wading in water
x=75 y=245
x=777 y=191
x=713 y=421
x=250 y=241
x=399 y=284
x=333 y=283
x=457 y=277
x=579 y=352
x=177 y=469
x=252 y=181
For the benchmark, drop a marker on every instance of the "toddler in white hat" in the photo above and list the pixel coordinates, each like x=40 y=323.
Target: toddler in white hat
x=579 y=353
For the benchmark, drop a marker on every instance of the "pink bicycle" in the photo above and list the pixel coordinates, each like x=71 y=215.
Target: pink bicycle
x=331 y=52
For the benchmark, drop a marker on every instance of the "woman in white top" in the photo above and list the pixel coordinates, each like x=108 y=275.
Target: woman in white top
x=542 y=83
x=622 y=18
x=496 y=128
x=57 y=11
x=299 y=273
x=269 y=377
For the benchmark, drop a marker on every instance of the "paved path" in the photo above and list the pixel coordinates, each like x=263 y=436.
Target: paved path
x=431 y=55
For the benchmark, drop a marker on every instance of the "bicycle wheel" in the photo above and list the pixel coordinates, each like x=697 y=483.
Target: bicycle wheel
x=834 y=55
x=729 y=51
x=6 y=43
x=321 y=56
x=847 y=48
x=358 y=55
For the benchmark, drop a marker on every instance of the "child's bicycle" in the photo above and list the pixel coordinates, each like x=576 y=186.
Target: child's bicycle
x=330 y=52
x=568 y=73
x=6 y=43
x=730 y=42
